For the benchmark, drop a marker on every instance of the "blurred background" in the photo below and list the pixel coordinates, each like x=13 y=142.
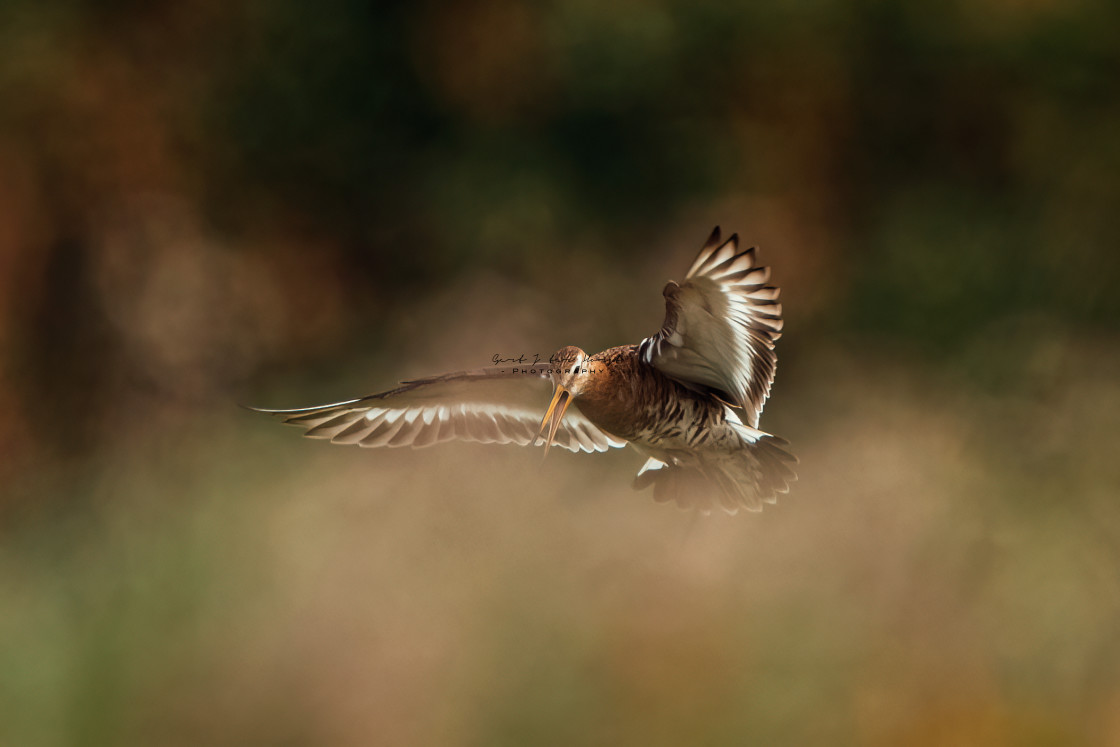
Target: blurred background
x=280 y=203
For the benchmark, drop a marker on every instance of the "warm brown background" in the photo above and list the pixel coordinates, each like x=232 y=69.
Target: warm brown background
x=284 y=203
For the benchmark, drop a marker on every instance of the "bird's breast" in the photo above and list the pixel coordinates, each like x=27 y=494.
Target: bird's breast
x=637 y=402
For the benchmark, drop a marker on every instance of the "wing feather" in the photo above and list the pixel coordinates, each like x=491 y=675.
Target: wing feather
x=489 y=405
x=720 y=327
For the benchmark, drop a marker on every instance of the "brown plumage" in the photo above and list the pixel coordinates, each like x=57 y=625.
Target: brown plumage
x=688 y=398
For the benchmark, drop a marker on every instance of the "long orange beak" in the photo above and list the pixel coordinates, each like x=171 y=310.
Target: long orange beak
x=561 y=400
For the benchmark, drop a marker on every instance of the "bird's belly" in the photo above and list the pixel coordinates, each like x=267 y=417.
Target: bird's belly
x=680 y=438
x=658 y=415
x=688 y=432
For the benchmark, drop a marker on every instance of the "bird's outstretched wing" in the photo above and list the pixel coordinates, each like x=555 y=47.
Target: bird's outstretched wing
x=720 y=327
x=487 y=405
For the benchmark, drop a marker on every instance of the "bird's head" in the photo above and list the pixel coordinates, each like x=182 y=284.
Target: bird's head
x=568 y=369
x=569 y=374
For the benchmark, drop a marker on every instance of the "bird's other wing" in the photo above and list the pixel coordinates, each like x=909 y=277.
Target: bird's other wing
x=487 y=405
x=720 y=327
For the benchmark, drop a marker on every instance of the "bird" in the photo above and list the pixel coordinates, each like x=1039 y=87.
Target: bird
x=688 y=398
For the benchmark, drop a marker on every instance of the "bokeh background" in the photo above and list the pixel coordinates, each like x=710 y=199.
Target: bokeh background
x=283 y=203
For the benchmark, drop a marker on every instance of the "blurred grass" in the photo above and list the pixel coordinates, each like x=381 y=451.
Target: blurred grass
x=942 y=574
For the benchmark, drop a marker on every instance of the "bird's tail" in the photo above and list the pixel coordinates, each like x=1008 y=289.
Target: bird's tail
x=741 y=479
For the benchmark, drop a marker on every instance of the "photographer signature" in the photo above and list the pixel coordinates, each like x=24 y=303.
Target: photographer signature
x=531 y=362
x=521 y=360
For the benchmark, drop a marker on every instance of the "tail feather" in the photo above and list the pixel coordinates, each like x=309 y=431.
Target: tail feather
x=741 y=479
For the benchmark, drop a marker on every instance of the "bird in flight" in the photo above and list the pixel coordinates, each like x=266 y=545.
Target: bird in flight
x=688 y=398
